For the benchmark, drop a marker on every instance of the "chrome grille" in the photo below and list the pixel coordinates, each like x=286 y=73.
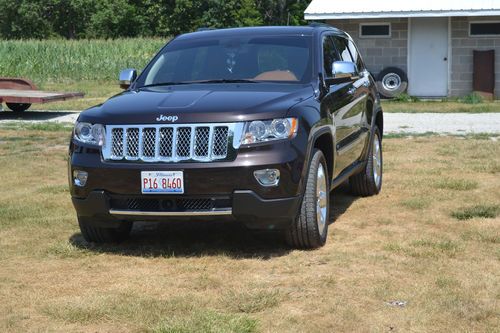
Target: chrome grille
x=169 y=143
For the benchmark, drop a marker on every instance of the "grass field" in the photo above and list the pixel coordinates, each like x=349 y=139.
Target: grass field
x=69 y=61
x=423 y=256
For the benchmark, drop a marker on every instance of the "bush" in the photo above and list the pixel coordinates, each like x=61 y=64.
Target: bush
x=404 y=97
x=473 y=98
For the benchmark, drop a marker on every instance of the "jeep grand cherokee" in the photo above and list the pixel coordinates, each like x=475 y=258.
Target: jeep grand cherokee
x=256 y=125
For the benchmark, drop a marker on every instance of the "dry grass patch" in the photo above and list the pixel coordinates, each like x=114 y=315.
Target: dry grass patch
x=251 y=301
x=208 y=321
x=456 y=184
x=481 y=211
x=403 y=245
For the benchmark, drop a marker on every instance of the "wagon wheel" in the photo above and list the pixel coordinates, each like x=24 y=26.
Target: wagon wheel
x=18 y=107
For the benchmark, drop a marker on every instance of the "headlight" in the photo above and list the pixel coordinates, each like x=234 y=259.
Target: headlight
x=90 y=133
x=268 y=130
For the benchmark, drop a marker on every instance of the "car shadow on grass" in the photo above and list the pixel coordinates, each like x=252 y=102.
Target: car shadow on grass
x=197 y=239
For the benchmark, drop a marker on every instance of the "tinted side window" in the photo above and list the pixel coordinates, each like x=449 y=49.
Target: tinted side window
x=342 y=48
x=330 y=55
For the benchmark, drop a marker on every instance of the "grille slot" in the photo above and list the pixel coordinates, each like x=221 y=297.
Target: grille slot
x=166 y=139
x=220 y=142
x=184 y=142
x=132 y=140
x=195 y=204
x=148 y=142
x=169 y=205
x=201 y=141
x=117 y=142
x=168 y=143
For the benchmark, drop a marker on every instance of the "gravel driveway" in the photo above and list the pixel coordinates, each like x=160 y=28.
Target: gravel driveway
x=446 y=123
x=442 y=123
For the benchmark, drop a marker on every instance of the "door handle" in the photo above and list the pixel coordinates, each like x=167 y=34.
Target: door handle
x=351 y=91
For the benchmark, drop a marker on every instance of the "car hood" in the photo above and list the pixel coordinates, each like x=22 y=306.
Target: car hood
x=199 y=103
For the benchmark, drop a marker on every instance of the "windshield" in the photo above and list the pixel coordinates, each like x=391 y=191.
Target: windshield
x=246 y=59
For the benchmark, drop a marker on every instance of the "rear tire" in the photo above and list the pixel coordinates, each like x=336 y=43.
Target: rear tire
x=369 y=181
x=310 y=228
x=95 y=234
x=18 y=107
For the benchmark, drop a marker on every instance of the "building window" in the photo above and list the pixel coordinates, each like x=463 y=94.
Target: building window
x=375 y=30
x=484 y=28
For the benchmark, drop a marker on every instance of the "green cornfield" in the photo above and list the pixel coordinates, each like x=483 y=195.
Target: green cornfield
x=46 y=61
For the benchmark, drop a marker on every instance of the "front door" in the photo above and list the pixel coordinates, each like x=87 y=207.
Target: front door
x=428 y=57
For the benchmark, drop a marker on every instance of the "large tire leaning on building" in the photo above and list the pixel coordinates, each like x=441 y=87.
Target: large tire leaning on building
x=391 y=82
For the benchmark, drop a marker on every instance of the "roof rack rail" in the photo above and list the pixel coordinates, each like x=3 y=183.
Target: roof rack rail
x=318 y=24
x=205 y=29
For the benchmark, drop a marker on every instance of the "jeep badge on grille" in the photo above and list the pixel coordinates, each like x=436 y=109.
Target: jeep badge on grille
x=171 y=119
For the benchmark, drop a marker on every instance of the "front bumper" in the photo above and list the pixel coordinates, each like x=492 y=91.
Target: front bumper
x=245 y=206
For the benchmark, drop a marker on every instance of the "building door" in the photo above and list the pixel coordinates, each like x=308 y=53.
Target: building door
x=428 y=57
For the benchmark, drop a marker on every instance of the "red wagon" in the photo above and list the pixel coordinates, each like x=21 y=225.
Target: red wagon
x=19 y=94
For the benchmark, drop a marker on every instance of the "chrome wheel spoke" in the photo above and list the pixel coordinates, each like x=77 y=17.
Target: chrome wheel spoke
x=377 y=160
x=321 y=199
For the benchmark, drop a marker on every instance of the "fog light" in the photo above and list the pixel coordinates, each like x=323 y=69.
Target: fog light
x=80 y=177
x=267 y=177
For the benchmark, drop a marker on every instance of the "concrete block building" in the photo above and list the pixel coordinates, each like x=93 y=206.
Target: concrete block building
x=431 y=42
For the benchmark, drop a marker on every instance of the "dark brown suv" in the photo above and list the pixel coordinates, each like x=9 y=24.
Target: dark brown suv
x=256 y=125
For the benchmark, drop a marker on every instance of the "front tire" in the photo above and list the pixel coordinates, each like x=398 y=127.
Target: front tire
x=310 y=229
x=369 y=181
x=95 y=234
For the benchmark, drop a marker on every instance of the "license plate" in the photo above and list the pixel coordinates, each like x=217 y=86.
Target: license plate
x=162 y=182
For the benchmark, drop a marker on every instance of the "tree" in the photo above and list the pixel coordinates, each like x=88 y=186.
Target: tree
x=114 y=18
x=25 y=19
x=185 y=17
x=248 y=15
x=70 y=18
x=130 y=18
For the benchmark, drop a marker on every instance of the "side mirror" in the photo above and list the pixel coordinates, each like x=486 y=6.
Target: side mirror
x=344 y=70
x=127 y=77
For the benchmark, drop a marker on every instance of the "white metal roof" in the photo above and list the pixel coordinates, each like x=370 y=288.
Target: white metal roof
x=349 y=9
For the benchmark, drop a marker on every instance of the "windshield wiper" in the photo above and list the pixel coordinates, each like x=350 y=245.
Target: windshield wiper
x=228 y=81
x=197 y=82
x=164 y=84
